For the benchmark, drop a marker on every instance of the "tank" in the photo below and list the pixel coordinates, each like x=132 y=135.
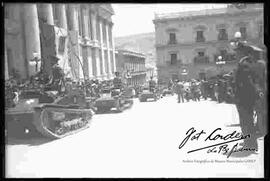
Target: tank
x=41 y=109
x=49 y=103
x=112 y=98
x=146 y=94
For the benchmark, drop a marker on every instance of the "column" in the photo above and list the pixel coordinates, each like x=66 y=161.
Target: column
x=45 y=12
x=96 y=62
x=72 y=17
x=85 y=22
x=94 y=51
x=85 y=30
x=62 y=18
x=93 y=28
x=108 y=52
x=113 y=48
x=32 y=39
x=73 y=27
x=103 y=72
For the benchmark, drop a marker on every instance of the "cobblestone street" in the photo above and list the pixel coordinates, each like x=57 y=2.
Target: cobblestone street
x=140 y=142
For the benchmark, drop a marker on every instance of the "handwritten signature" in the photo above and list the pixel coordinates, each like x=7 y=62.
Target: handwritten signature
x=222 y=148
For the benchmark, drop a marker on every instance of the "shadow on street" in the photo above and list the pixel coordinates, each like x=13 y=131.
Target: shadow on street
x=31 y=139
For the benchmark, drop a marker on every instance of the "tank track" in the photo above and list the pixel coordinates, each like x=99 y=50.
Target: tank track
x=74 y=120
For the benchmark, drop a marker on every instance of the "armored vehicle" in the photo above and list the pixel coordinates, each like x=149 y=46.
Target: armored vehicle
x=40 y=108
x=112 y=98
x=146 y=94
x=47 y=102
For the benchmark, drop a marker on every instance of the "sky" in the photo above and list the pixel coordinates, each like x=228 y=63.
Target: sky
x=132 y=19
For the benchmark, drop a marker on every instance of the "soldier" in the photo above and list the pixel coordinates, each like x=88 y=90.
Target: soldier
x=247 y=93
x=179 y=91
x=117 y=81
x=170 y=84
x=57 y=78
x=258 y=69
x=152 y=84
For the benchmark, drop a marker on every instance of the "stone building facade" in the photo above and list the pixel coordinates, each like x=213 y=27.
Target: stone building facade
x=80 y=35
x=188 y=43
x=131 y=66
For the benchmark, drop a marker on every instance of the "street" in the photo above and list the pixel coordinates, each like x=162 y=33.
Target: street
x=140 y=142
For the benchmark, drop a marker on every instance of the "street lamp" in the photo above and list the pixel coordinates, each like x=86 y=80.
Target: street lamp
x=220 y=62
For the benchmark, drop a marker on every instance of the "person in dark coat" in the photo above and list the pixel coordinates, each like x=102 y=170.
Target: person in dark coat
x=117 y=81
x=245 y=101
x=56 y=80
x=152 y=85
x=179 y=88
x=247 y=93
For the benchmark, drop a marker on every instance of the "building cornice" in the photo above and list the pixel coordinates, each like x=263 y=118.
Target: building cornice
x=190 y=44
x=130 y=53
x=189 y=18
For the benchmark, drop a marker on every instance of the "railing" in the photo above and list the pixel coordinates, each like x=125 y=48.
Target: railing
x=201 y=60
x=200 y=39
x=172 y=42
x=222 y=37
x=177 y=62
x=229 y=57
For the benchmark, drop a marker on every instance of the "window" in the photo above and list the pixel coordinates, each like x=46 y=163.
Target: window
x=200 y=37
x=173 y=59
x=201 y=54
x=243 y=32
x=172 y=38
x=222 y=35
x=61 y=46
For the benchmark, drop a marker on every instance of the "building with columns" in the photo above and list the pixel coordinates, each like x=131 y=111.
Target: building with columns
x=131 y=66
x=188 y=43
x=80 y=35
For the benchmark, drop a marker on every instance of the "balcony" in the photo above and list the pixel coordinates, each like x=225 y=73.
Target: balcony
x=229 y=57
x=201 y=60
x=172 y=42
x=173 y=63
x=200 y=39
x=222 y=37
